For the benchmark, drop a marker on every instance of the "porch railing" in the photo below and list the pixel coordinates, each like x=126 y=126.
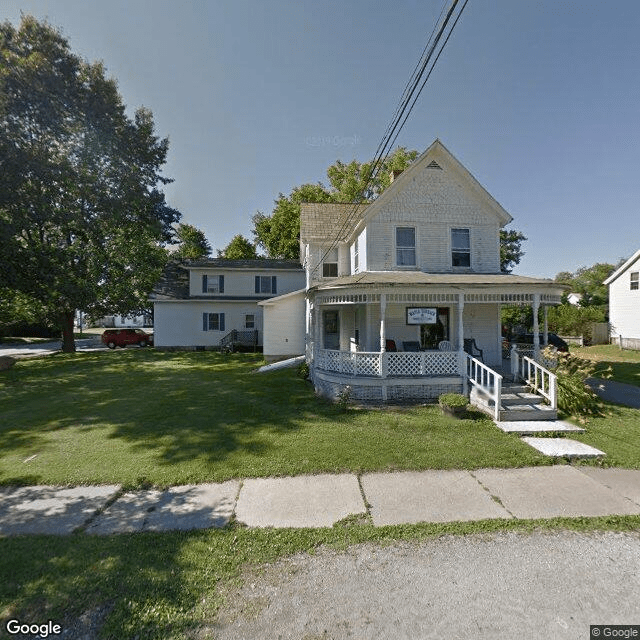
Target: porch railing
x=486 y=380
x=389 y=363
x=541 y=380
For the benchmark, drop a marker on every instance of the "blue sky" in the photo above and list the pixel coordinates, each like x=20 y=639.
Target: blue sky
x=540 y=100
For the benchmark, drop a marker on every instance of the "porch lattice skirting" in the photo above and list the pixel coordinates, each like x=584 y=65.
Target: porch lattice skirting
x=387 y=377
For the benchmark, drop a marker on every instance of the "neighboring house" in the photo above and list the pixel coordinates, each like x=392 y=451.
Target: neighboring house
x=624 y=299
x=199 y=303
x=574 y=299
x=396 y=290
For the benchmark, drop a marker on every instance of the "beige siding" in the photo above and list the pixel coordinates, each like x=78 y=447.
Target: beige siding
x=284 y=323
x=624 y=305
x=435 y=202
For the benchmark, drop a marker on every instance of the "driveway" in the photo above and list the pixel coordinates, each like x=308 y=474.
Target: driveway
x=617 y=392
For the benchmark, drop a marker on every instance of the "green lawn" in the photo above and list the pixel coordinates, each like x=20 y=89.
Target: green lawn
x=624 y=363
x=139 y=417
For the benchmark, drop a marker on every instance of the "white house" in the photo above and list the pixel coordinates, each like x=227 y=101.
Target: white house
x=624 y=299
x=212 y=302
x=400 y=293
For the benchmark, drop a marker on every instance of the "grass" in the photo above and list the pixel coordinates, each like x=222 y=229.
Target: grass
x=171 y=585
x=624 y=363
x=140 y=417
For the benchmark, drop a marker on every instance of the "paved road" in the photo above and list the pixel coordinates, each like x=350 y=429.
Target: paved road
x=45 y=348
x=618 y=392
x=543 y=585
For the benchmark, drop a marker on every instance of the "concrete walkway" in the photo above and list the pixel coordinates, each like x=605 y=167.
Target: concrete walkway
x=323 y=500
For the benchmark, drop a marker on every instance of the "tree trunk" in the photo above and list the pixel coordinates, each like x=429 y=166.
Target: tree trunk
x=68 y=341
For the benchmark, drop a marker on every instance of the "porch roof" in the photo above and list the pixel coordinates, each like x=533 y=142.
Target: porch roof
x=475 y=287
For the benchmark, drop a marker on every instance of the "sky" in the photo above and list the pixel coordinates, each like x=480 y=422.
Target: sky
x=539 y=100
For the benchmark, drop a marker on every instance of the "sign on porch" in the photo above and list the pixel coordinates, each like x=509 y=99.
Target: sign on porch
x=421 y=315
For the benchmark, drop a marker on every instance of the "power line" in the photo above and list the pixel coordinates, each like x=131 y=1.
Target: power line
x=407 y=101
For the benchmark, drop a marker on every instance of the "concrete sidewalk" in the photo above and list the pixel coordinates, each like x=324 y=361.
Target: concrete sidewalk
x=323 y=500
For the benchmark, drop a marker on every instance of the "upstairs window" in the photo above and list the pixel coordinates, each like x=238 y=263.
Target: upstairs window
x=212 y=284
x=330 y=264
x=634 y=284
x=356 y=259
x=460 y=248
x=406 y=246
x=266 y=284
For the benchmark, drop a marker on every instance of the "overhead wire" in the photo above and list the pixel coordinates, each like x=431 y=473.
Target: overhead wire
x=407 y=101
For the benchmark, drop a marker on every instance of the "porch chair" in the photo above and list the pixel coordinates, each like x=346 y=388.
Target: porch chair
x=412 y=345
x=390 y=345
x=445 y=345
x=472 y=349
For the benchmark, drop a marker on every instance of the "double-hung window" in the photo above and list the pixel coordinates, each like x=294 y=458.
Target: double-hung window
x=634 y=283
x=460 y=248
x=249 y=321
x=212 y=284
x=330 y=264
x=266 y=284
x=406 y=246
x=213 y=321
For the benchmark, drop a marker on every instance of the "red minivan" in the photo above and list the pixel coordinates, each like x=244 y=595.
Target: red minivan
x=122 y=337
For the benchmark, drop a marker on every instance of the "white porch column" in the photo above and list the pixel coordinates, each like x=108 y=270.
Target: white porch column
x=383 y=332
x=536 y=326
x=545 y=334
x=461 y=356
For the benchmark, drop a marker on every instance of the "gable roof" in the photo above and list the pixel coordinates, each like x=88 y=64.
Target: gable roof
x=620 y=270
x=321 y=221
x=437 y=156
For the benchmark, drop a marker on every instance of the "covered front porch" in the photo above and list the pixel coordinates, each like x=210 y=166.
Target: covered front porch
x=414 y=341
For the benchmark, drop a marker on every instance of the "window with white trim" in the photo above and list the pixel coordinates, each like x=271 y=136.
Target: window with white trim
x=460 y=248
x=634 y=282
x=213 y=321
x=356 y=259
x=212 y=284
x=330 y=264
x=249 y=321
x=406 y=246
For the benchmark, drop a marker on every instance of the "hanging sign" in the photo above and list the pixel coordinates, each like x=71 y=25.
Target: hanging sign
x=421 y=315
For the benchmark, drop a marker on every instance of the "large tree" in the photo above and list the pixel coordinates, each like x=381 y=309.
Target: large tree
x=510 y=249
x=588 y=281
x=238 y=249
x=82 y=214
x=192 y=243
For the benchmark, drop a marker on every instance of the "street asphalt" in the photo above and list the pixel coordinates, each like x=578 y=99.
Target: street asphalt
x=322 y=500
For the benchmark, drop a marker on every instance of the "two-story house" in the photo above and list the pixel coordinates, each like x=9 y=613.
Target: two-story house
x=399 y=290
x=200 y=302
x=624 y=301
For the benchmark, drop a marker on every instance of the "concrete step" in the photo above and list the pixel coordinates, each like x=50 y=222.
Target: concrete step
x=528 y=412
x=511 y=399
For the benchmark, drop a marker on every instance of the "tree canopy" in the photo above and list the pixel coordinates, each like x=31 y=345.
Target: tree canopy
x=192 y=243
x=510 y=249
x=588 y=281
x=238 y=249
x=82 y=214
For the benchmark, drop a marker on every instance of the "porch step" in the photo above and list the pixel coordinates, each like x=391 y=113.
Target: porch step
x=528 y=412
x=518 y=404
x=512 y=399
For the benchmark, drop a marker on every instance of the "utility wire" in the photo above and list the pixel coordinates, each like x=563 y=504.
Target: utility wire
x=407 y=101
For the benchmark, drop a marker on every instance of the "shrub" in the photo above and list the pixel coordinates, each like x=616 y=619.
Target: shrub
x=453 y=400
x=344 y=398
x=303 y=370
x=575 y=397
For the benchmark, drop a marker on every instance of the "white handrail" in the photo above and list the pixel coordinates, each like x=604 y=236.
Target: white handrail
x=541 y=380
x=487 y=380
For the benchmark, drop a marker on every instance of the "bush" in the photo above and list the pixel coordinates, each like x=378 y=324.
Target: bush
x=453 y=400
x=303 y=370
x=575 y=397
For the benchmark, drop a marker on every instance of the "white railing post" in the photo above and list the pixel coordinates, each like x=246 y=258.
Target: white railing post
x=498 y=398
x=383 y=362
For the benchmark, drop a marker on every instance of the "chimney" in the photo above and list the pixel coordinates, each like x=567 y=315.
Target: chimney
x=394 y=174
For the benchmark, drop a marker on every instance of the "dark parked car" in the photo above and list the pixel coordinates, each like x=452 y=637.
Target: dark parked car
x=122 y=337
x=554 y=341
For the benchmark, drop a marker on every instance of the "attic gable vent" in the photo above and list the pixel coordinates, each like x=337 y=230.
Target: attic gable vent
x=434 y=165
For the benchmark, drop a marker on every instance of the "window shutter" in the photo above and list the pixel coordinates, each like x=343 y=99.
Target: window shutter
x=205 y=319
x=222 y=322
x=221 y=284
x=257 y=284
x=204 y=284
x=273 y=284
